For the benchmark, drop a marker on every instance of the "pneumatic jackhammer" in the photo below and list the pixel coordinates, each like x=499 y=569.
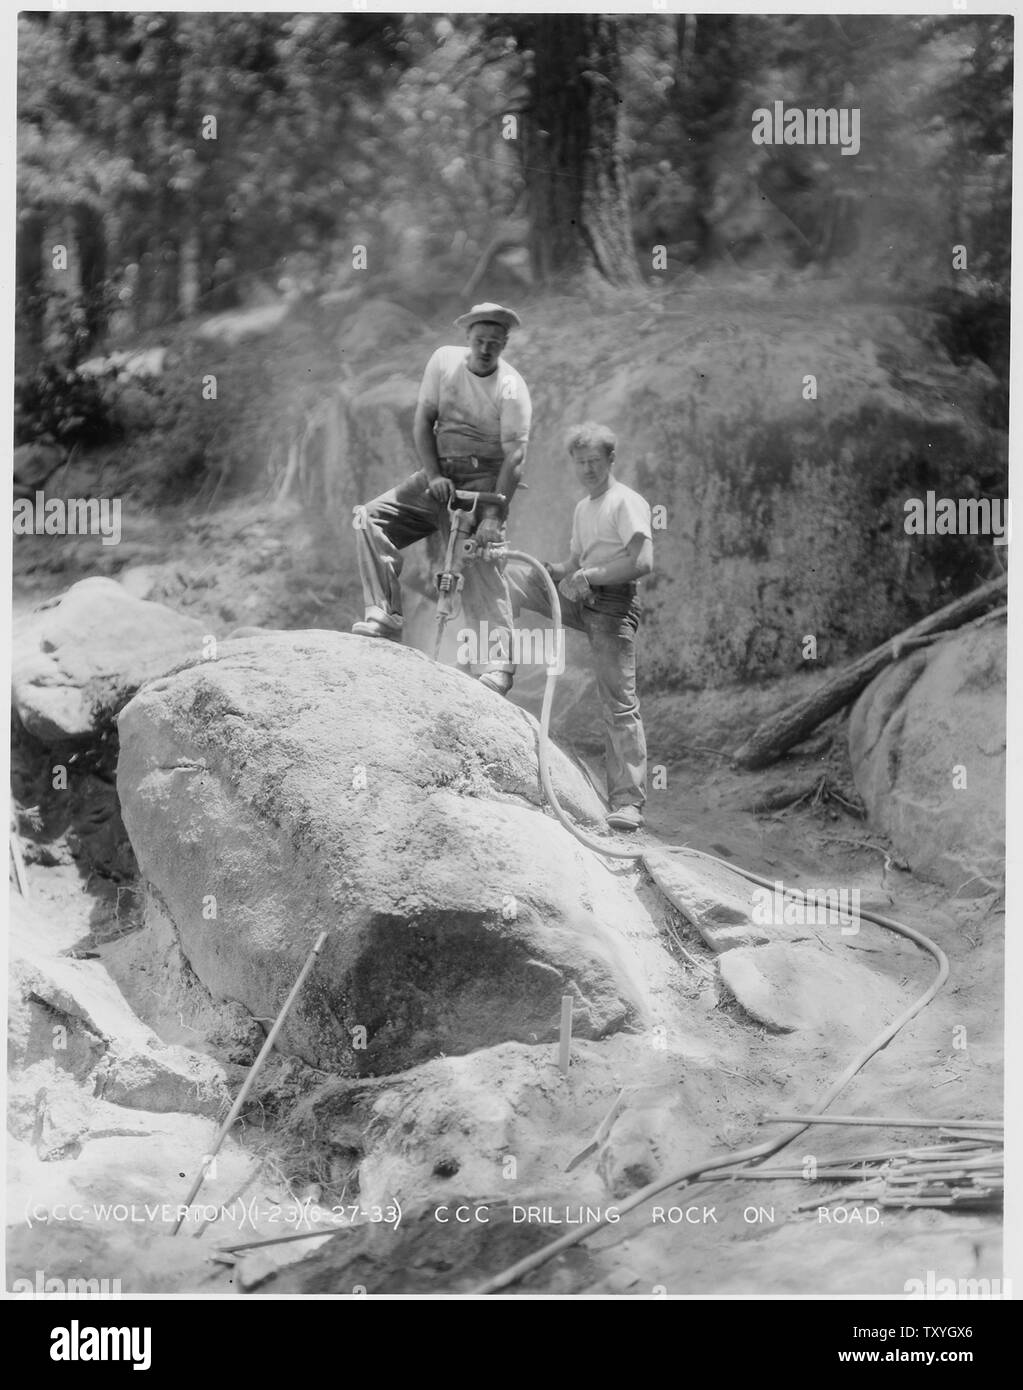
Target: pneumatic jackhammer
x=462 y=546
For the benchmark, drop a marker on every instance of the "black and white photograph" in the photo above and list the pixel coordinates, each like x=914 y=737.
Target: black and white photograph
x=510 y=756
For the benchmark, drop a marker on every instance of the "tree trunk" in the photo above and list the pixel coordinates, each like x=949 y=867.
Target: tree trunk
x=705 y=86
x=777 y=735
x=31 y=291
x=575 y=179
x=90 y=238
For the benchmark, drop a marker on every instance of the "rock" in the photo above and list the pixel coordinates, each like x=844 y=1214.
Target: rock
x=34 y=463
x=67 y=808
x=238 y=325
x=140 y=580
x=725 y=908
x=95 y=832
x=312 y=781
x=127 y=1063
x=713 y=899
x=68 y=1019
x=789 y=988
x=923 y=725
x=146 y=363
x=132 y=1160
x=457 y=1118
x=170 y=1079
x=161 y=989
x=62 y=1121
x=254 y=1267
x=80 y=656
x=628 y=1160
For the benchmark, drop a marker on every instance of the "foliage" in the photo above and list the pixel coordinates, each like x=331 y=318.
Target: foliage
x=53 y=402
x=388 y=131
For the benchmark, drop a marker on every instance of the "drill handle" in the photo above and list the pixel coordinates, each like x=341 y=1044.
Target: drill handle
x=495 y=499
x=477 y=499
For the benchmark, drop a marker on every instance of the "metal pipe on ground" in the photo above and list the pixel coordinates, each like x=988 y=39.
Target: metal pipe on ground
x=243 y=1094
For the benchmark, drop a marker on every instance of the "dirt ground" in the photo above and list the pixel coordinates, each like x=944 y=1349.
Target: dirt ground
x=238 y=567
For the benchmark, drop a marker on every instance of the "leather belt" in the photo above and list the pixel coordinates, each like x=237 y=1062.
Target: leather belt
x=629 y=590
x=485 y=465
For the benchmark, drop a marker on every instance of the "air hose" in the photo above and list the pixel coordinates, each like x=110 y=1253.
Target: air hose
x=742 y=1156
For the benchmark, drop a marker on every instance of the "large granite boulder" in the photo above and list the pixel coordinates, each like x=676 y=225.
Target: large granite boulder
x=73 y=1041
x=927 y=743
x=78 y=657
x=310 y=781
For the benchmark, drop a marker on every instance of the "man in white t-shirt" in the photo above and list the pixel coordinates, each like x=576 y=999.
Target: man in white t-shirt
x=471 y=430
x=611 y=549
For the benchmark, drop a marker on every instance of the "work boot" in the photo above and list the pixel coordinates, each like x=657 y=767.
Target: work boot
x=373 y=627
x=625 y=818
x=498 y=681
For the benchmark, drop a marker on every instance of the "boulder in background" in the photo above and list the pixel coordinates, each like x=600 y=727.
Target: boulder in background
x=927 y=744
x=79 y=656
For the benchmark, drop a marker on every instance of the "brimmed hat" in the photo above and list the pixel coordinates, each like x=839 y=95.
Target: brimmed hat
x=489 y=313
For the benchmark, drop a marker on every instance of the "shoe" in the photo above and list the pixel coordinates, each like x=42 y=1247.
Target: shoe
x=498 y=681
x=625 y=818
x=372 y=627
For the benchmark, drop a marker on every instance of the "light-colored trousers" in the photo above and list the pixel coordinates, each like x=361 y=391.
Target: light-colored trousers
x=610 y=619
x=405 y=514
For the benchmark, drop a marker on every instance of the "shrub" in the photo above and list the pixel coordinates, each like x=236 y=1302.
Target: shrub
x=52 y=401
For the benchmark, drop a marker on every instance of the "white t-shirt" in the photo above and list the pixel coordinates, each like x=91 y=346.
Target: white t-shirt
x=475 y=414
x=602 y=527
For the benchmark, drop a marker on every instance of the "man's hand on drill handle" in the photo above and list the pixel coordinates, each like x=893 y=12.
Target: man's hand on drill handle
x=492 y=530
x=440 y=488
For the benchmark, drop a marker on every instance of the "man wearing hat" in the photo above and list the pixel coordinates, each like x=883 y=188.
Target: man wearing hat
x=471 y=429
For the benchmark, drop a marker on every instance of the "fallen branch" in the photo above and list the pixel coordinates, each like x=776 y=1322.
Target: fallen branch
x=275 y=1240
x=890 y=858
x=783 y=731
x=602 y=1131
x=693 y=960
